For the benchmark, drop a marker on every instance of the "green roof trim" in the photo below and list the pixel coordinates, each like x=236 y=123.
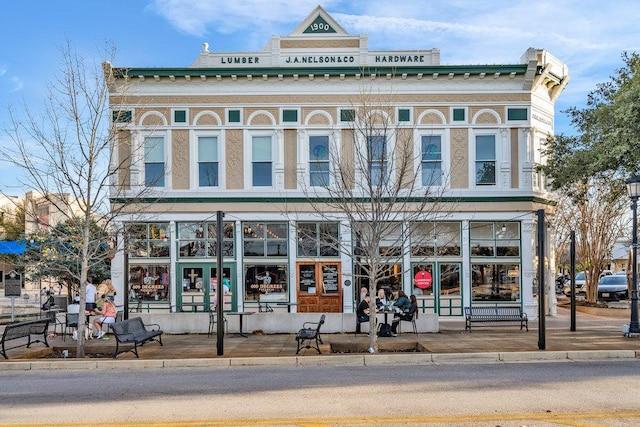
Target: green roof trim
x=272 y=200
x=121 y=72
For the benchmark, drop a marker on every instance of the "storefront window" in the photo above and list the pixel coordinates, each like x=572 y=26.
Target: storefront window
x=149 y=282
x=148 y=240
x=265 y=239
x=265 y=280
x=495 y=282
x=389 y=278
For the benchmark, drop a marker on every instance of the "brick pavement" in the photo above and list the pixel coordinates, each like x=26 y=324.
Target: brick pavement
x=597 y=330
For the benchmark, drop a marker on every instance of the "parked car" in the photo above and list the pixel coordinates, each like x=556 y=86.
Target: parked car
x=613 y=288
x=581 y=282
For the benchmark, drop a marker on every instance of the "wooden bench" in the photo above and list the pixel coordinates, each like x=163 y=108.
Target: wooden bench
x=14 y=331
x=504 y=313
x=309 y=334
x=133 y=331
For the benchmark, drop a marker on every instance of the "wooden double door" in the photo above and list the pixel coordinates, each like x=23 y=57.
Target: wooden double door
x=319 y=287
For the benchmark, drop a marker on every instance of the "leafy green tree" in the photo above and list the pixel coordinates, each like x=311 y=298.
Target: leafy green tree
x=590 y=168
x=608 y=132
x=54 y=254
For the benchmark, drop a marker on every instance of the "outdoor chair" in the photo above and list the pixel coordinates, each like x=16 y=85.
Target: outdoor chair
x=213 y=316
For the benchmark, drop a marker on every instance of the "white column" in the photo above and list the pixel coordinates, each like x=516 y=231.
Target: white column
x=279 y=164
x=530 y=305
x=348 y=292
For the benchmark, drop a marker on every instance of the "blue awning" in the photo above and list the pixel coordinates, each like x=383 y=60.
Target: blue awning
x=13 y=247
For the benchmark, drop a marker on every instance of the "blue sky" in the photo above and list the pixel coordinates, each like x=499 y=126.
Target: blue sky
x=589 y=36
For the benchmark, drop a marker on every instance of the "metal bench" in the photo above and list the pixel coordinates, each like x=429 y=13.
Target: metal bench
x=134 y=331
x=15 y=331
x=504 y=313
x=308 y=335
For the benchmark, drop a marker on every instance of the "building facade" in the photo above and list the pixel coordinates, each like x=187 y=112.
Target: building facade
x=255 y=135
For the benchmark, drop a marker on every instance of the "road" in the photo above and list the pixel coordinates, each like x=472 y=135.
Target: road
x=511 y=394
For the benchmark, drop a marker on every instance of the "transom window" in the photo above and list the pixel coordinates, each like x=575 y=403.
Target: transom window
x=148 y=240
x=436 y=238
x=318 y=239
x=200 y=239
x=265 y=239
x=495 y=239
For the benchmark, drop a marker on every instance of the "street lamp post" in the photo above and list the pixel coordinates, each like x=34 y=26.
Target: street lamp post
x=633 y=188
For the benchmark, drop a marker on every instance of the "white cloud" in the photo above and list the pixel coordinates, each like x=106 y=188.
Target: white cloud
x=202 y=17
x=588 y=35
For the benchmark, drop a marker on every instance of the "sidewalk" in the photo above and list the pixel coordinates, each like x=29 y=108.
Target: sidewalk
x=598 y=335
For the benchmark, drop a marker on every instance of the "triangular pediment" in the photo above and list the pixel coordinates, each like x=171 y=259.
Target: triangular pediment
x=319 y=22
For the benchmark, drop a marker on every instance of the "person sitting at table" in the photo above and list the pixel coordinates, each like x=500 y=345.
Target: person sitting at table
x=363 y=309
x=402 y=303
x=381 y=300
x=107 y=315
x=404 y=315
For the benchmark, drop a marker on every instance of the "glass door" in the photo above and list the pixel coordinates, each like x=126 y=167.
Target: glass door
x=229 y=286
x=439 y=293
x=193 y=295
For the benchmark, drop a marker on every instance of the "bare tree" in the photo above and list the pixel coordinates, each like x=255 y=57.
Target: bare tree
x=376 y=181
x=596 y=212
x=65 y=150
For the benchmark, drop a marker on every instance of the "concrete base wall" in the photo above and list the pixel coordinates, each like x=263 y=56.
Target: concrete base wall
x=274 y=323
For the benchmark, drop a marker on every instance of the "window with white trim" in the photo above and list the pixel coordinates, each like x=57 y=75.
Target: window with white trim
x=431 y=147
x=208 y=161
x=485 y=160
x=377 y=157
x=261 y=161
x=154 y=161
x=319 y=161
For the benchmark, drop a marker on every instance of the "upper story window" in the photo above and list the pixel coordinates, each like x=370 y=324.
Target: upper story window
x=377 y=158
x=319 y=161
x=148 y=240
x=485 y=160
x=154 y=161
x=265 y=239
x=261 y=161
x=208 y=161
x=431 y=148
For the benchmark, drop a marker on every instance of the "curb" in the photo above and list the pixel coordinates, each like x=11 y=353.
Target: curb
x=343 y=360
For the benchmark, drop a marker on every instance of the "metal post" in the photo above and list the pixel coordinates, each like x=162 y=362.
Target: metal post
x=219 y=285
x=634 y=327
x=572 y=273
x=127 y=291
x=541 y=284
